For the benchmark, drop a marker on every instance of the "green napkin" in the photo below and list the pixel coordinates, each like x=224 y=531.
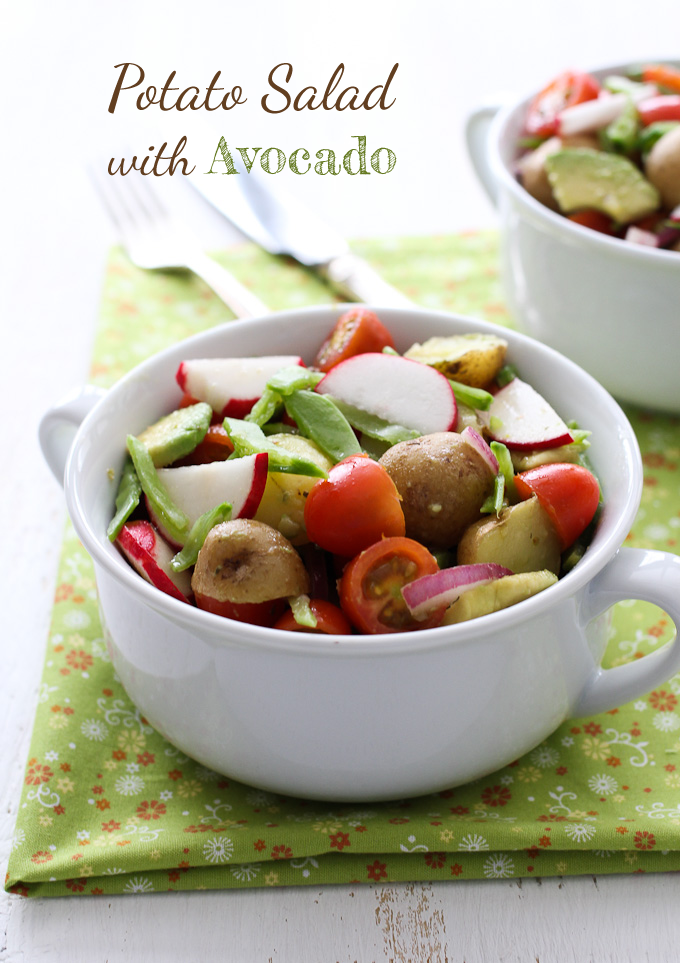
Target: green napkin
x=109 y=807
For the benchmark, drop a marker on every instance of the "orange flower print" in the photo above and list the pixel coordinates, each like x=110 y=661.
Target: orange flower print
x=111 y=826
x=76 y=885
x=663 y=700
x=63 y=592
x=145 y=758
x=644 y=839
x=103 y=804
x=151 y=810
x=435 y=860
x=78 y=659
x=456 y=869
x=42 y=856
x=259 y=845
x=339 y=840
x=496 y=796
x=37 y=773
x=282 y=852
x=377 y=870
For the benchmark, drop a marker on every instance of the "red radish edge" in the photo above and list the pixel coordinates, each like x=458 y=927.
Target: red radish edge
x=474 y=438
x=635 y=235
x=252 y=502
x=138 y=542
x=430 y=592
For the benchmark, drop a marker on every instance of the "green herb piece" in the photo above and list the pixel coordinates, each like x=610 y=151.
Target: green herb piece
x=127 y=499
x=373 y=425
x=472 y=397
x=505 y=466
x=649 y=135
x=198 y=534
x=302 y=611
x=623 y=85
x=389 y=350
x=507 y=374
x=319 y=418
x=495 y=423
x=445 y=558
x=172 y=518
x=249 y=439
x=530 y=143
x=621 y=136
x=494 y=503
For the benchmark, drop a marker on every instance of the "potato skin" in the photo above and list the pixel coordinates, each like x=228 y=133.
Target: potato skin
x=662 y=167
x=443 y=482
x=472 y=359
x=522 y=539
x=244 y=561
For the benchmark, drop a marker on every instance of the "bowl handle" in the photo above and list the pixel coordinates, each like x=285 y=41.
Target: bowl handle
x=477 y=126
x=650 y=576
x=59 y=425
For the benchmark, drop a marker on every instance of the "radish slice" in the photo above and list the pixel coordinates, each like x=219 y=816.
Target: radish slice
x=151 y=555
x=591 y=114
x=430 y=592
x=231 y=386
x=402 y=391
x=675 y=214
x=637 y=236
x=474 y=438
x=522 y=419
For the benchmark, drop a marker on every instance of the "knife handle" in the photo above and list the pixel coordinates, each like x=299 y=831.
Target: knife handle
x=356 y=279
x=242 y=301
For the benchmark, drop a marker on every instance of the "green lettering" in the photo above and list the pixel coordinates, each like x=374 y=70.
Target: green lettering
x=227 y=159
x=265 y=162
x=293 y=161
x=243 y=151
x=361 y=151
x=328 y=161
x=391 y=160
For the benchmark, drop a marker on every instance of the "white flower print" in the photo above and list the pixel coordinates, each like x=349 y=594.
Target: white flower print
x=579 y=832
x=666 y=721
x=544 y=757
x=51 y=756
x=245 y=872
x=506 y=780
x=602 y=784
x=472 y=843
x=138 y=884
x=83 y=834
x=640 y=705
x=499 y=866
x=165 y=795
x=94 y=730
x=218 y=850
x=129 y=785
x=568 y=741
x=132 y=767
x=18 y=838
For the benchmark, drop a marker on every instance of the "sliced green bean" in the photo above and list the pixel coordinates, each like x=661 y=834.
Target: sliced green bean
x=172 y=518
x=127 y=499
x=199 y=532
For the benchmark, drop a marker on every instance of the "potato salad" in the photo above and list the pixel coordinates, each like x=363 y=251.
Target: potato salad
x=369 y=492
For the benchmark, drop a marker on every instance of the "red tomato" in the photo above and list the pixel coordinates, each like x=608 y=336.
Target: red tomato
x=370 y=588
x=329 y=620
x=569 y=493
x=570 y=88
x=256 y=613
x=663 y=107
x=355 y=506
x=663 y=76
x=356 y=332
x=216 y=446
x=595 y=220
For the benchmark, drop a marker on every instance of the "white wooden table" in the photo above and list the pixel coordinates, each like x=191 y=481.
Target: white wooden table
x=57 y=65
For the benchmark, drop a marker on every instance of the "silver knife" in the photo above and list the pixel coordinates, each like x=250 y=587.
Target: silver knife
x=279 y=223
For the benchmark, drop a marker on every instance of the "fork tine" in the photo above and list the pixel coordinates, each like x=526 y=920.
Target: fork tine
x=114 y=202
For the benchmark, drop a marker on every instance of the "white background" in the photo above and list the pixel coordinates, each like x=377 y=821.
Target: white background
x=57 y=76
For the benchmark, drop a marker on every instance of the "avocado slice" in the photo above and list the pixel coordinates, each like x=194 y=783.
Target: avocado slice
x=177 y=434
x=496 y=595
x=582 y=178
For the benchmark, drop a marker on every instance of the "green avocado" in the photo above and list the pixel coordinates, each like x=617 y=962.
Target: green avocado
x=177 y=434
x=499 y=594
x=582 y=178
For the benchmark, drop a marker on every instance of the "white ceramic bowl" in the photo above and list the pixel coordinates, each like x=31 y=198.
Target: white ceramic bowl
x=364 y=717
x=609 y=305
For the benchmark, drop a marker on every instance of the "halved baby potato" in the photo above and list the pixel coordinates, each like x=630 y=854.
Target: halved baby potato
x=497 y=595
x=522 y=538
x=472 y=359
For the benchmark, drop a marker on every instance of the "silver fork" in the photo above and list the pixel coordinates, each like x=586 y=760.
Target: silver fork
x=155 y=240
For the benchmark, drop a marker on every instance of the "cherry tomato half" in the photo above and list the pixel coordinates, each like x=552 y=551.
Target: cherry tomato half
x=330 y=620
x=663 y=107
x=256 y=613
x=355 y=506
x=370 y=588
x=568 y=89
x=356 y=332
x=663 y=76
x=216 y=446
x=595 y=220
x=569 y=493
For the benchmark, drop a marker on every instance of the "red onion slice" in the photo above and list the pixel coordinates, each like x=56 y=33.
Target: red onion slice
x=430 y=592
x=474 y=438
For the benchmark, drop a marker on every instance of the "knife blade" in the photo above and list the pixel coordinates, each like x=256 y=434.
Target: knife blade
x=279 y=223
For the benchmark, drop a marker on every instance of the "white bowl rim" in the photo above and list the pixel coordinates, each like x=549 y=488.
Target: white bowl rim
x=217 y=627
x=577 y=232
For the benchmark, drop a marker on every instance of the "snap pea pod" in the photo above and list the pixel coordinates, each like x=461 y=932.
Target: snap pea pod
x=319 y=419
x=282 y=384
x=172 y=518
x=265 y=408
x=649 y=135
x=620 y=137
x=199 y=532
x=249 y=439
x=127 y=499
x=372 y=425
x=472 y=397
x=505 y=467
